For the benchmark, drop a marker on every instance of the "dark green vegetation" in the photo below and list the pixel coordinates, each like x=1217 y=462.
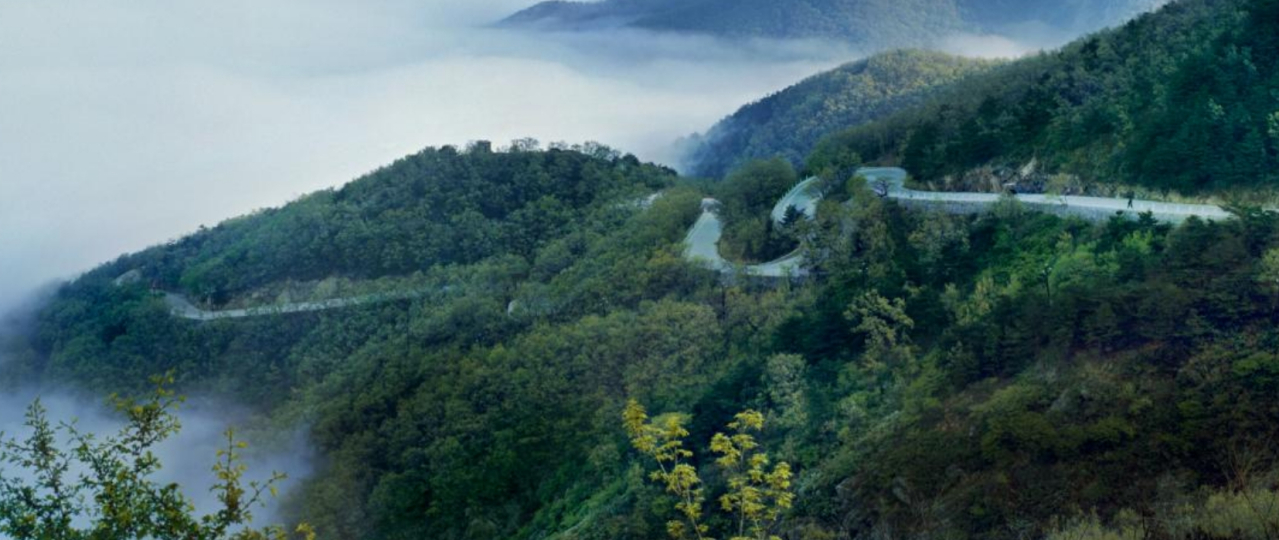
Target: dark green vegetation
x=1180 y=100
x=967 y=377
x=747 y=198
x=1077 y=15
x=433 y=208
x=1007 y=375
x=869 y=24
x=789 y=123
x=468 y=225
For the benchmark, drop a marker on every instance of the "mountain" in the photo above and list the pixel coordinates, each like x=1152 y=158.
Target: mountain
x=899 y=22
x=522 y=350
x=789 y=124
x=395 y=229
x=1179 y=101
x=871 y=24
x=1073 y=15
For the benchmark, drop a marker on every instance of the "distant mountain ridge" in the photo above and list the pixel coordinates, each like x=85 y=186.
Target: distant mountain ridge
x=1180 y=100
x=999 y=376
x=1075 y=14
x=875 y=24
x=790 y=123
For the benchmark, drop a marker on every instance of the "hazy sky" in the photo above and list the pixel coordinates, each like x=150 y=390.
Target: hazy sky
x=124 y=123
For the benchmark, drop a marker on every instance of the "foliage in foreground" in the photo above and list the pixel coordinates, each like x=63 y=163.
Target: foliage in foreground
x=754 y=498
x=102 y=489
x=995 y=376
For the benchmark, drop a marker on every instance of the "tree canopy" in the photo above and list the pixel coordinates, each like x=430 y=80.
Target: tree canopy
x=1179 y=100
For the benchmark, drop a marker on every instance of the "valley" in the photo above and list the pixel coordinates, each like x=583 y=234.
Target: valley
x=1038 y=300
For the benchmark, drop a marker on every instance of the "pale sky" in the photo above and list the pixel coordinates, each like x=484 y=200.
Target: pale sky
x=124 y=123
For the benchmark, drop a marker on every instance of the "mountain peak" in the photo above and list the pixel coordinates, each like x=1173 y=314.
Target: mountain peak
x=872 y=24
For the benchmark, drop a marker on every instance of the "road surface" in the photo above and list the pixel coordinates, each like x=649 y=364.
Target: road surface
x=702 y=245
x=180 y=306
x=702 y=242
x=1088 y=207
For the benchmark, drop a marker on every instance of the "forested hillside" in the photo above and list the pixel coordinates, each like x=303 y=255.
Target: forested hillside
x=789 y=124
x=430 y=221
x=434 y=208
x=1179 y=100
x=1004 y=375
x=995 y=376
x=1077 y=15
x=872 y=25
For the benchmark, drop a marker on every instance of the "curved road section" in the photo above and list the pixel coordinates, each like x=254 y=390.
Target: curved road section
x=181 y=307
x=889 y=181
x=702 y=246
x=804 y=197
x=702 y=242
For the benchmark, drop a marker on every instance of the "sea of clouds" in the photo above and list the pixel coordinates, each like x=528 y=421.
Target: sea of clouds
x=130 y=122
x=126 y=123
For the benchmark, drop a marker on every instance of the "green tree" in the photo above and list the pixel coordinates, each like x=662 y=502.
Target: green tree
x=748 y=196
x=792 y=216
x=885 y=324
x=116 y=498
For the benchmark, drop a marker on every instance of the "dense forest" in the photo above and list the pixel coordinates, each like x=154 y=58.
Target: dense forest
x=789 y=124
x=433 y=220
x=1003 y=375
x=1075 y=15
x=873 y=25
x=434 y=208
x=1182 y=100
x=991 y=376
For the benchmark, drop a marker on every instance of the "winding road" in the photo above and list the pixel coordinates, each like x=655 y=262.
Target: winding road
x=180 y=306
x=702 y=241
x=1098 y=208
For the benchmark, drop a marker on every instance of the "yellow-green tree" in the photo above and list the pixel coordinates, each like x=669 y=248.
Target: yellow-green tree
x=663 y=440
x=755 y=496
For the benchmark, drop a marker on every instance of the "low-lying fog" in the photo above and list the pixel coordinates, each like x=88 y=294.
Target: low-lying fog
x=187 y=458
x=124 y=123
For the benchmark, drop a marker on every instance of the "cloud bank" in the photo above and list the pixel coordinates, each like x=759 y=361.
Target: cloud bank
x=125 y=123
x=131 y=122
